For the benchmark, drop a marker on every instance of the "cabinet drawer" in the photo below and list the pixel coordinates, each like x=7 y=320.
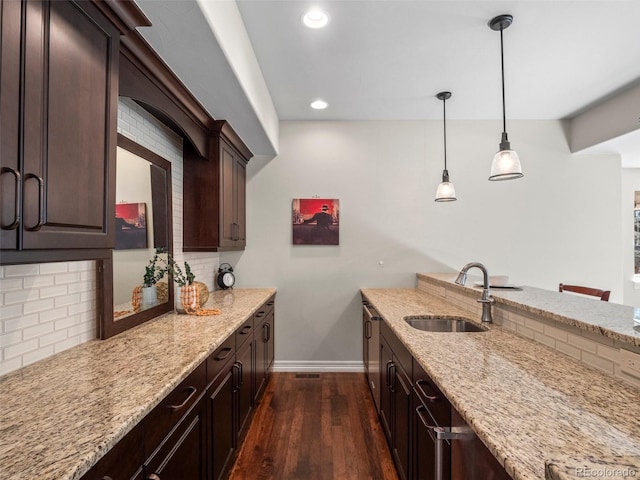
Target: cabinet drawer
x=169 y=412
x=244 y=332
x=400 y=352
x=218 y=359
x=123 y=461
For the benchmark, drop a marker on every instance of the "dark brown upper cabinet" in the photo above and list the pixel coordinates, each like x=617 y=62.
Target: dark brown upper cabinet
x=58 y=129
x=215 y=194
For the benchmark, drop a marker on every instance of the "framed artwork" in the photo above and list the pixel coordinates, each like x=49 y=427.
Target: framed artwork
x=131 y=226
x=316 y=221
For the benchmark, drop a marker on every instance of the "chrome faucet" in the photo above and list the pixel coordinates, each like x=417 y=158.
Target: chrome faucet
x=486 y=300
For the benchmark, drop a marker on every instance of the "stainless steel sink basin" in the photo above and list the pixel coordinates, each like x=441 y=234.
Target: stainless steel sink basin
x=439 y=323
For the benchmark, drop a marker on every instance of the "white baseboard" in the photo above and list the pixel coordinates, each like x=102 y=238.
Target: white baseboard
x=317 y=366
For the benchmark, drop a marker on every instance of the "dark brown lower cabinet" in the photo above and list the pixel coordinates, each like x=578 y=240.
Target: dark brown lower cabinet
x=428 y=439
x=222 y=435
x=195 y=432
x=396 y=404
x=470 y=458
x=244 y=387
x=183 y=453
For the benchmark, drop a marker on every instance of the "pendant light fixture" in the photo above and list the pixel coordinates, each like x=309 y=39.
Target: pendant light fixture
x=506 y=164
x=446 y=191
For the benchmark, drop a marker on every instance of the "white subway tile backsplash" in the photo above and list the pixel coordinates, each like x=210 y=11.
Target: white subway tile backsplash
x=63 y=278
x=66 y=344
x=55 y=291
x=55 y=314
x=38 y=306
x=10 y=284
x=10 y=364
x=21 y=348
x=11 y=338
x=39 y=354
x=609 y=353
x=21 y=296
x=79 y=308
x=67 y=321
x=18 y=323
x=65 y=300
x=556 y=333
x=54 y=337
x=544 y=339
x=51 y=268
x=20 y=270
x=37 y=330
x=38 y=281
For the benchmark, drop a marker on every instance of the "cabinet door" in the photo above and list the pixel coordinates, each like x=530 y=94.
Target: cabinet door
x=244 y=387
x=10 y=177
x=183 y=453
x=402 y=422
x=270 y=323
x=240 y=203
x=69 y=137
x=232 y=198
x=261 y=340
x=386 y=363
x=221 y=428
x=227 y=196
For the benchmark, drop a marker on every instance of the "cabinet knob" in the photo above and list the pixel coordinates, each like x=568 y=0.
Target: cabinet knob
x=153 y=476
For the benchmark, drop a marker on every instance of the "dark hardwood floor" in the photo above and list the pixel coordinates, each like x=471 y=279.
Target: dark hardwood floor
x=315 y=427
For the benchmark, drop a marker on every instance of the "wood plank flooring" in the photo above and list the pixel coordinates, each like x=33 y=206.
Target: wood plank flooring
x=315 y=427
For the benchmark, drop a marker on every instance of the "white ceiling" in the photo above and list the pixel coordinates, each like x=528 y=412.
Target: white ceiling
x=386 y=59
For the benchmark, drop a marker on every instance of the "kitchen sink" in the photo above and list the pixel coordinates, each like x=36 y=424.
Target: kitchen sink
x=439 y=323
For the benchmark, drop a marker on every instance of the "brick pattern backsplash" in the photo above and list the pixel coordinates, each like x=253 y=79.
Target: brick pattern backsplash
x=48 y=308
x=45 y=309
x=595 y=350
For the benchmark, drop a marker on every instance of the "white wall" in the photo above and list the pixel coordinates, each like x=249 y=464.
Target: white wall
x=560 y=223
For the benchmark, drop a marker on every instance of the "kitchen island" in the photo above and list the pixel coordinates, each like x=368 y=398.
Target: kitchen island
x=62 y=414
x=538 y=411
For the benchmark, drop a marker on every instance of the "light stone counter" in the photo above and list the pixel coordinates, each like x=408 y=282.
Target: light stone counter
x=59 y=416
x=605 y=318
x=526 y=402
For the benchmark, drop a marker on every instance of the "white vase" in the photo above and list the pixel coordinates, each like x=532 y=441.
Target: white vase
x=149 y=297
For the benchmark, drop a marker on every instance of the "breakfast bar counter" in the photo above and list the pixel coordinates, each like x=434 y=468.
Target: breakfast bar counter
x=529 y=404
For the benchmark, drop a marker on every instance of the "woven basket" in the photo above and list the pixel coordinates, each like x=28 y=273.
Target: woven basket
x=163 y=292
x=203 y=293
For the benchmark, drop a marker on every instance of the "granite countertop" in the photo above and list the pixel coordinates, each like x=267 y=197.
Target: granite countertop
x=59 y=416
x=529 y=404
x=605 y=318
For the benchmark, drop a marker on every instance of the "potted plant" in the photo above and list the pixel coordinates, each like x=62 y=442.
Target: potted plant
x=189 y=296
x=154 y=272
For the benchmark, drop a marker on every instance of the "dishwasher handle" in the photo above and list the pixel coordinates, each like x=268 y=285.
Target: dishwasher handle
x=440 y=436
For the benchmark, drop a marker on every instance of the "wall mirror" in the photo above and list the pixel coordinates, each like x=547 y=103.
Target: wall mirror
x=143 y=233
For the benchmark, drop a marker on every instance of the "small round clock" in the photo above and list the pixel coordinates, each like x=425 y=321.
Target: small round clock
x=226 y=279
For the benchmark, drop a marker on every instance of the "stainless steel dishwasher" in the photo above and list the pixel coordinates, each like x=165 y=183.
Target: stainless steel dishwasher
x=371 y=350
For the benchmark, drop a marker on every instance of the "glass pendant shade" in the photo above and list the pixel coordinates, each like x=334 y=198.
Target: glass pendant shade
x=506 y=166
x=445 y=192
x=506 y=163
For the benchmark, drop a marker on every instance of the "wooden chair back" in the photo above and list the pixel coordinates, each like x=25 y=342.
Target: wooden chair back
x=594 y=292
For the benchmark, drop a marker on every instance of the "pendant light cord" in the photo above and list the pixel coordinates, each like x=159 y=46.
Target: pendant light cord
x=444 y=116
x=504 y=111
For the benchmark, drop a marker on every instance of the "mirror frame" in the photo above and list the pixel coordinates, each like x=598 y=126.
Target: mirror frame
x=107 y=325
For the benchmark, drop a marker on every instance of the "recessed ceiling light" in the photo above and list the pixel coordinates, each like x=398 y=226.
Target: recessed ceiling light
x=315 y=18
x=319 y=104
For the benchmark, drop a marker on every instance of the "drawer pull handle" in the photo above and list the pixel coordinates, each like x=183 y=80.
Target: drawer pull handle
x=16 y=206
x=260 y=313
x=40 y=181
x=245 y=330
x=192 y=391
x=222 y=357
x=431 y=398
x=271 y=302
x=153 y=476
